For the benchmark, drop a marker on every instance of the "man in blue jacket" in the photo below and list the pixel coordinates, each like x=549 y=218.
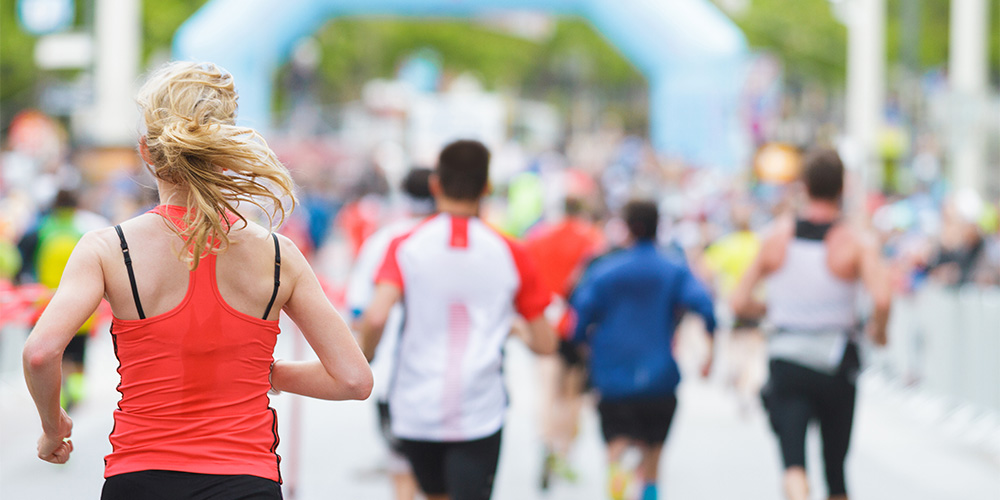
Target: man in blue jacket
x=626 y=308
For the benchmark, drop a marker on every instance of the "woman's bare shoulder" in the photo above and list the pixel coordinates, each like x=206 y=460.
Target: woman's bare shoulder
x=107 y=241
x=291 y=257
x=257 y=237
x=98 y=242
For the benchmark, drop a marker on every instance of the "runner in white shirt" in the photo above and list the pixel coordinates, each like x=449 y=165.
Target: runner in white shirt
x=461 y=284
x=361 y=288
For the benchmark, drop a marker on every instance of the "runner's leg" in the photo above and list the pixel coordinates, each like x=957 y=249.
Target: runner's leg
x=549 y=368
x=790 y=410
x=427 y=462
x=836 y=418
x=618 y=477
x=655 y=417
x=470 y=468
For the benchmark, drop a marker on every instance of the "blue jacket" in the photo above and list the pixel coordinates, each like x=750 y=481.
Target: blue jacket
x=626 y=307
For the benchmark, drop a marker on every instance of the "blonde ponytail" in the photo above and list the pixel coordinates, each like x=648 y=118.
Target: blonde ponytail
x=189 y=110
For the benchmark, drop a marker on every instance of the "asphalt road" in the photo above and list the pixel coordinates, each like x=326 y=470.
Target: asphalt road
x=904 y=445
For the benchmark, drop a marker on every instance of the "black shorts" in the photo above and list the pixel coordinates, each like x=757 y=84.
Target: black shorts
x=76 y=348
x=385 y=426
x=570 y=354
x=171 y=485
x=795 y=395
x=464 y=470
x=646 y=420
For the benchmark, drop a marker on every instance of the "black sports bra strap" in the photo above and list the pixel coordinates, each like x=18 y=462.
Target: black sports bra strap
x=131 y=274
x=277 y=274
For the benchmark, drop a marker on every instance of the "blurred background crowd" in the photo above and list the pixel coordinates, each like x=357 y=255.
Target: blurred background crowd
x=360 y=100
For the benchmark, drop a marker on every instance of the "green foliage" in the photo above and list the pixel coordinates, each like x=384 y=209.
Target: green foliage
x=356 y=50
x=161 y=19
x=813 y=43
x=804 y=34
x=994 y=41
x=17 y=61
x=930 y=32
x=603 y=66
x=20 y=78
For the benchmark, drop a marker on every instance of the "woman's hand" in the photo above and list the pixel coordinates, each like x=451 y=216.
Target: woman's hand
x=56 y=447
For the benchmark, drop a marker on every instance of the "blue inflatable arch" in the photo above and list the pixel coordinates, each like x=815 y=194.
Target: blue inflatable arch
x=689 y=52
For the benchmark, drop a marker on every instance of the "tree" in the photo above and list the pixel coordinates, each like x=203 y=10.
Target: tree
x=804 y=34
x=20 y=77
x=812 y=43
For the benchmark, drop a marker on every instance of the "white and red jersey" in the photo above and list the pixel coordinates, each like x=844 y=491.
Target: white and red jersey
x=462 y=282
x=361 y=289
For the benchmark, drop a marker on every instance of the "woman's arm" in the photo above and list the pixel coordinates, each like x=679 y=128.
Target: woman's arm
x=80 y=291
x=341 y=372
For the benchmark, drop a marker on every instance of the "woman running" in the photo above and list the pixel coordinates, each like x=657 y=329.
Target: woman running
x=196 y=290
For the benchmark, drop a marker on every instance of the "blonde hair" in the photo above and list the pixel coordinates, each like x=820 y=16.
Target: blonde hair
x=189 y=110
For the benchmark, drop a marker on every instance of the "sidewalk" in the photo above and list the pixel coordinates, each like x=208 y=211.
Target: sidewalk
x=712 y=453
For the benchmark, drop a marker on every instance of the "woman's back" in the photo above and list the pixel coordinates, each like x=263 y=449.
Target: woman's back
x=194 y=369
x=244 y=270
x=194 y=330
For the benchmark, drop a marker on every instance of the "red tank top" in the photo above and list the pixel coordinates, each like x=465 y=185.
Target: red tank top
x=194 y=384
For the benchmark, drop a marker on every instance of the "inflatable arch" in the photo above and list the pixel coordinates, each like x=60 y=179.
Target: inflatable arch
x=690 y=53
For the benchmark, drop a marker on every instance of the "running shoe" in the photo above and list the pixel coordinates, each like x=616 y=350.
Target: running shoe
x=75 y=387
x=649 y=492
x=562 y=468
x=555 y=465
x=619 y=480
x=548 y=463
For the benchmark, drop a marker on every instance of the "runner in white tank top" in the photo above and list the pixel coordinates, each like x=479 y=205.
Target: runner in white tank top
x=812 y=267
x=810 y=310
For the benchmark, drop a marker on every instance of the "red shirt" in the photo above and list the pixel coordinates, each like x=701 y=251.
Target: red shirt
x=561 y=250
x=194 y=384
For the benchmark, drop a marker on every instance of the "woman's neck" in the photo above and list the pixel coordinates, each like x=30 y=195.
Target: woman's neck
x=172 y=194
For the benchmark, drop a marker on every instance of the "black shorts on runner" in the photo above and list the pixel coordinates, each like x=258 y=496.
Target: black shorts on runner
x=464 y=470
x=646 y=420
x=171 y=485
x=795 y=395
x=76 y=348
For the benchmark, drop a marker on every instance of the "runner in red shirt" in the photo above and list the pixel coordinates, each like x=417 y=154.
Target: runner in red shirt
x=562 y=250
